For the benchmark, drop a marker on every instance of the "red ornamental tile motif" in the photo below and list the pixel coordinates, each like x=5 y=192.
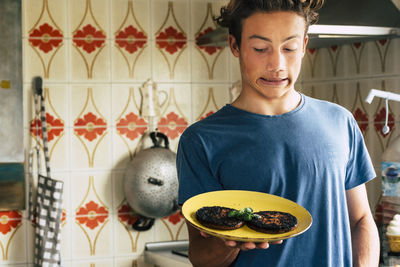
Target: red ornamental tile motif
x=334 y=48
x=208 y=114
x=209 y=49
x=9 y=220
x=172 y=125
x=131 y=39
x=175 y=218
x=357 y=45
x=362 y=119
x=89 y=38
x=54 y=127
x=379 y=121
x=383 y=42
x=63 y=216
x=45 y=38
x=92 y=126
x=125 y=215
x=91 y=215
x=171 y=40
x=131 y=126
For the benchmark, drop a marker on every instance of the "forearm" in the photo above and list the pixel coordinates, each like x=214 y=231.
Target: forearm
x=365 y=243
x=210 y=251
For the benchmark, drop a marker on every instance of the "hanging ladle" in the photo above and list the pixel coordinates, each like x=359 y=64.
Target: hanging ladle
x=386 y=129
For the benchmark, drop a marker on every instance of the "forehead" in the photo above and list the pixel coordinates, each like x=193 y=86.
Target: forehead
x=273 y=24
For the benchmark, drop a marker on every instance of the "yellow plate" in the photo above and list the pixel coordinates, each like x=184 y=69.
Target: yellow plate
x=238 y=199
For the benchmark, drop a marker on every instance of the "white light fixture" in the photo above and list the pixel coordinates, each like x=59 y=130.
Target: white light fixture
x=338 y=31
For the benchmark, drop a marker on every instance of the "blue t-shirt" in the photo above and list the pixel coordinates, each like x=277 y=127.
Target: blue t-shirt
x=310 y=155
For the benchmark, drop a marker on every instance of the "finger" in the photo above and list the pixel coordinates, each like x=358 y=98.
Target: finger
x=276 y=242
x=262 y=245
x=231 y=243
x=203 y=234
x=247 y=246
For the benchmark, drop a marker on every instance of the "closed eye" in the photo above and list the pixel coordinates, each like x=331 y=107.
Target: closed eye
x=289 y=49
x=259 y=50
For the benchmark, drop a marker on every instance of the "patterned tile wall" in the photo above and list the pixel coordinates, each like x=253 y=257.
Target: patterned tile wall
x=345 y=75
x=94 y=55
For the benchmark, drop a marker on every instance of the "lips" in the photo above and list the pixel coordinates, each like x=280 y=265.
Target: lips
x=274 y=81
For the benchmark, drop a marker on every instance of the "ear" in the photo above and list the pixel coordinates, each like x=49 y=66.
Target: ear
x=233 y=45
x=305 y=44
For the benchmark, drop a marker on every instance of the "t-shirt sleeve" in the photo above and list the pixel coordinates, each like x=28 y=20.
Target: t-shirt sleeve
x=194 y=174
x=359 y=167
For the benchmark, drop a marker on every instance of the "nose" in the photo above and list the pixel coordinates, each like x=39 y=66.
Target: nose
x=276 y=61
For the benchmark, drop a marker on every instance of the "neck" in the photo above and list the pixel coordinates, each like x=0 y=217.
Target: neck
x=269 y=106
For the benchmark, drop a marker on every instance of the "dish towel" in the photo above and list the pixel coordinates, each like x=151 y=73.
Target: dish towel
x=46 y=208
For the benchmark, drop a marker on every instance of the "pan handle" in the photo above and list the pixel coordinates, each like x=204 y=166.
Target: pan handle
x=157 y=138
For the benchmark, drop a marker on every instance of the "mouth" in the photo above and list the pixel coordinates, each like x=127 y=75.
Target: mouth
x=274 y=81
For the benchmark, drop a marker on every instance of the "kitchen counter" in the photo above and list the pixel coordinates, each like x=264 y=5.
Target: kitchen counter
x=165 y=253
x=166 y=259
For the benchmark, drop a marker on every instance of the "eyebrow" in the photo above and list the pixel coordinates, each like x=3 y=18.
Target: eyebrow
x=256 y=36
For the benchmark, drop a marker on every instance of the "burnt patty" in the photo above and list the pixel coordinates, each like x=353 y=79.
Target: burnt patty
x=217 y=217
x=273 y=222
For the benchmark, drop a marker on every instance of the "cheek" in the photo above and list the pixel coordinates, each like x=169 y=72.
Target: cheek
x=295 y=63
x=250 y=63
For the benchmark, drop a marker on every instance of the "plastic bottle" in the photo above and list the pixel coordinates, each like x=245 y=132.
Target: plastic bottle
x=390 y=167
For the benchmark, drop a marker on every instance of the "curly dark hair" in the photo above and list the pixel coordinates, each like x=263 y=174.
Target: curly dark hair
x=236 y=11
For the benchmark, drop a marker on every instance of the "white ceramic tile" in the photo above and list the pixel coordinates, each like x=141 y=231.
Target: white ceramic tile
x=176 y=112
x=90 y=62
x=92 y=147
x=325 y=64
x=168 y=231
x=171 y=61
x=349 y=57
x=127 y=12
x=308 y=65
x=66 y=237
x=127 y=66
x=129 y=241
x=36 y=13
x=137 y=261
x=170 y=13
x=91 y=186
x=92 y=98
x=93 y=12
x=50 y=65
x=393 y=55
x=208 y=63
x=131 y=60
x=126 y=98
x=11 y=241
x=92 y=262
x=92 y=238
x=210 y=66
x=208 y=98
x=171 y=67
x=392 y=85
x=371 y=60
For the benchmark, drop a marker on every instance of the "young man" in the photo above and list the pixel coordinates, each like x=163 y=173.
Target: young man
x=275 y=140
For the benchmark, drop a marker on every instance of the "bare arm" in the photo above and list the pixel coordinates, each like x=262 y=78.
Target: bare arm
x=205 y=250
x=364 y=234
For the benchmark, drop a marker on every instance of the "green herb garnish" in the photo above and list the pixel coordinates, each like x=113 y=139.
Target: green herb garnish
x=245 y=214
